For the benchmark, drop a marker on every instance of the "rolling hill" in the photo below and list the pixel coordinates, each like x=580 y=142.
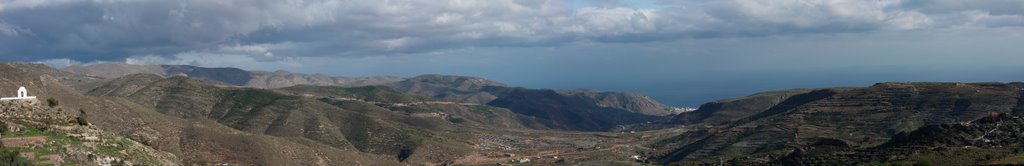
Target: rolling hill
x=208 y=118
x=860 y=117
x=560 y=109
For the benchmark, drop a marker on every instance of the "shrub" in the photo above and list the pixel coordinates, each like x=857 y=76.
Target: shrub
x=3 y=127
x=118 y=163
x=456 y=120
x=10 y=157
x=52 y=102
x=923 y=162
x=81 y=118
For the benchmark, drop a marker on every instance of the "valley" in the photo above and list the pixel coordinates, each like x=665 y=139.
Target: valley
x=511 y=82
x=456 y=120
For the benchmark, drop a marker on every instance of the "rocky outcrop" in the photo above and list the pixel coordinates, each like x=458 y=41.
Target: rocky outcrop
x=53 y=135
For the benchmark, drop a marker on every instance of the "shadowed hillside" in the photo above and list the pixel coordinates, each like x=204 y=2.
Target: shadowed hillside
x=858 y=116
x=569 y=112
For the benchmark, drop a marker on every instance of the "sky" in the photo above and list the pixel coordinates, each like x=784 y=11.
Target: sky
x=680 y=52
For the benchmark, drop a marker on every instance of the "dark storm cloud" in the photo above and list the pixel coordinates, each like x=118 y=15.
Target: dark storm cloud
x=268 y=30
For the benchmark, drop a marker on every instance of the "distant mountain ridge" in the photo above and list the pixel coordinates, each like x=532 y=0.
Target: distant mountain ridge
x=281 y=79
x=440 y=87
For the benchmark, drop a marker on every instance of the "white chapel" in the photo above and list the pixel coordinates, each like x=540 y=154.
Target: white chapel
x=22 y=94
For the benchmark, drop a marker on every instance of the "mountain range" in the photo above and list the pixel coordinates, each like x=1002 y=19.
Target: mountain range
x=188 y=115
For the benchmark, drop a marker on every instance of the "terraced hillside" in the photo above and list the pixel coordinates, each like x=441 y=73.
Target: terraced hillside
x=192 y=140
x=992 y=140
x=858 y=116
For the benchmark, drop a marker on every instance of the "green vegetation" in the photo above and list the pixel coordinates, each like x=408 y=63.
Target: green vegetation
x=52 y=102
x=455 y=119
x=9 y=157
x=923 y=162
x=115 y=148
x=81 y=118
x=58 y=143
x=3 y=127
x=417 y=109
x=54 y=144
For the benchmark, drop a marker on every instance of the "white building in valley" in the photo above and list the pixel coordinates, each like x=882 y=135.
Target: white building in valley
x=22 y=95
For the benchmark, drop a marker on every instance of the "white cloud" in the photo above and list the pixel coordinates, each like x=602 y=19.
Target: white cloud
x=121 y=28
x=985 y=18
x=208 y=59
x=392 y=44
x=603 y=21
x=7 y=30
x=12 y=30
x=265 y=50
x=19 y=4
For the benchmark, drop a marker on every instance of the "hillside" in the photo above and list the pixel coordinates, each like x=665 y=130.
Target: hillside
x=449 y=88
x=632 y=102
x=569 y=112
x=858 y=116
x=438 y=119
x=727 y=110
x=226 y=75
x=483 y=91
x=46 y=133
x=193 y=141
x=992 y=140
x=374 y=120
x=565 y=106
x=281 y=79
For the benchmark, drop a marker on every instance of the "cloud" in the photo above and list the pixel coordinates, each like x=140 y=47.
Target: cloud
x=91 y=30
x=264 y=50
x=209 y=59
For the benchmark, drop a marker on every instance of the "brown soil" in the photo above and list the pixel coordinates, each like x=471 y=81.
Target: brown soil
x=23 y=141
